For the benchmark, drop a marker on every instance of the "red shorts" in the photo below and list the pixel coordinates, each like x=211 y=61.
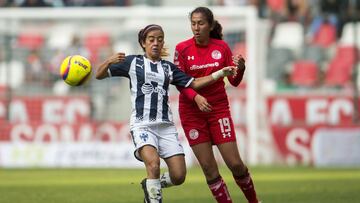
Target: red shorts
x=214 y=127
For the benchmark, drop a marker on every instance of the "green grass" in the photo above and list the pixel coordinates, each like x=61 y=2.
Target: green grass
x=273 y=184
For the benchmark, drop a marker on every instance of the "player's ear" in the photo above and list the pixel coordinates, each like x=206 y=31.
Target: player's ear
x=143 y=44
x=212 y=26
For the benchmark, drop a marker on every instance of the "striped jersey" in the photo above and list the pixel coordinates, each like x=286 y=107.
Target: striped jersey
x=149 y=87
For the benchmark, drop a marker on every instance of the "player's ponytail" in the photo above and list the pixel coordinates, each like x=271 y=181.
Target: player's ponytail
x=216 y=31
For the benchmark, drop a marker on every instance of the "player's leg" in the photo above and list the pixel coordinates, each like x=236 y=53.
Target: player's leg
x=151 y=185
x=205 y=156
x=230 y=154
x=177 y=171
x=146 y=144
x=171 y=150
x=223 y=135
x=197 y=133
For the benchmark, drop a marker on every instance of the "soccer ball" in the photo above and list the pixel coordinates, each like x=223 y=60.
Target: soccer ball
x=75 y=70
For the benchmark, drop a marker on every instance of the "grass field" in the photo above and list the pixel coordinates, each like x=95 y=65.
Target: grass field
x=273 y=184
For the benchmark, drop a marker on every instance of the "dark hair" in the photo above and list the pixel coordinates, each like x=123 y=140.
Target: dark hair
x=216 y=31
x=143 y=33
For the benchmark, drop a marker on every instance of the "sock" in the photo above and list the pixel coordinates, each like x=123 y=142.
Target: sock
x=153 y=188
x=165 y=180
x=247 y=186
x=219 y=190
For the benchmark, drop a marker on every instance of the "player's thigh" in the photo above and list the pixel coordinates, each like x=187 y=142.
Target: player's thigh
x=205 y=156
x=195 y=128
x=143 y=136
x=221 y=127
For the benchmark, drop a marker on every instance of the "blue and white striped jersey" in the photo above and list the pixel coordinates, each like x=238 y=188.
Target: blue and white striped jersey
x=149 y=87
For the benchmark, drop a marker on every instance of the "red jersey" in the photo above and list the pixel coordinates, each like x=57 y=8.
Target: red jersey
x=199 y=61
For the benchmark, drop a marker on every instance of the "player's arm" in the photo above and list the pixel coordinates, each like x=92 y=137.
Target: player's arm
x=201 y=82
x=180 y=62
x=102 y=70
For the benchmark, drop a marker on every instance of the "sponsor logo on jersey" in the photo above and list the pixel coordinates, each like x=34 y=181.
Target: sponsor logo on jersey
x=197 y=67
x=191 y=58
x=148 y=88
x=140 y=66
x=216 y=54
x=193 y=134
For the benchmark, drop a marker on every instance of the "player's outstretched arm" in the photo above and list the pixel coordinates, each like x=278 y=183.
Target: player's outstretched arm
x=101 y=71
x=199 y=83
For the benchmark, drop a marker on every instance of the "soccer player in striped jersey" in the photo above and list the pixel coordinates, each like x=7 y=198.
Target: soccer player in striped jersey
x=199 y=56
x=151 y=124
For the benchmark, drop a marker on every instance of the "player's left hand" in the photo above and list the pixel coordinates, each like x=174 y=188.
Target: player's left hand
x=202 y=103
x=239 y=61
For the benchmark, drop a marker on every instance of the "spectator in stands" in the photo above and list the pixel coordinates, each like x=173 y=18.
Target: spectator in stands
x=329 y=12
x=111 y=3
x=297 y=10
x=76 y=3
x=349 y=13
x=7 y=3
x=34 y=3
x=152 y=128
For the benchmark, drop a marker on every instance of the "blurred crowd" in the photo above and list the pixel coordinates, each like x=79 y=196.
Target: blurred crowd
x=62 y=3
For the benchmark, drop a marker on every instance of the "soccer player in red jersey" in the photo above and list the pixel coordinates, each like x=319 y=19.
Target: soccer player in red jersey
x=208 y=121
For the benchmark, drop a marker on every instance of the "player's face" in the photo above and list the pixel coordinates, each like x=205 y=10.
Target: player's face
x=153 y=44
x=200 y=28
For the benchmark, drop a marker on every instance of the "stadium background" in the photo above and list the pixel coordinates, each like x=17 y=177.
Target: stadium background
x=297 y=106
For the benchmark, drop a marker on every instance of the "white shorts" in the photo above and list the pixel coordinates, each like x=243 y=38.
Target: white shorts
x=163 y=137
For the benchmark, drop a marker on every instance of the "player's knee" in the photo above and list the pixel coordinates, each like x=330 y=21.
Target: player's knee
x=239 y=169
x=154 y=168
x=178 y=180
x=237 y=166
x=210 y=171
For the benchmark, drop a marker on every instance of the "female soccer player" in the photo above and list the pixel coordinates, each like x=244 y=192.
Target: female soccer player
x=200 y=56
x=152 y=128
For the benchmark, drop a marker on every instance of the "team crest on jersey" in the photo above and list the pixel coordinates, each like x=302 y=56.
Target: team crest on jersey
x=144 y=136
x=166 y=68
x=216 y=54
x=193 y=134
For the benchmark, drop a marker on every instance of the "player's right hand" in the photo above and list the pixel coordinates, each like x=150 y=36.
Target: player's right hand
x=202 y=103
x=116 y=58
x=229 y=70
